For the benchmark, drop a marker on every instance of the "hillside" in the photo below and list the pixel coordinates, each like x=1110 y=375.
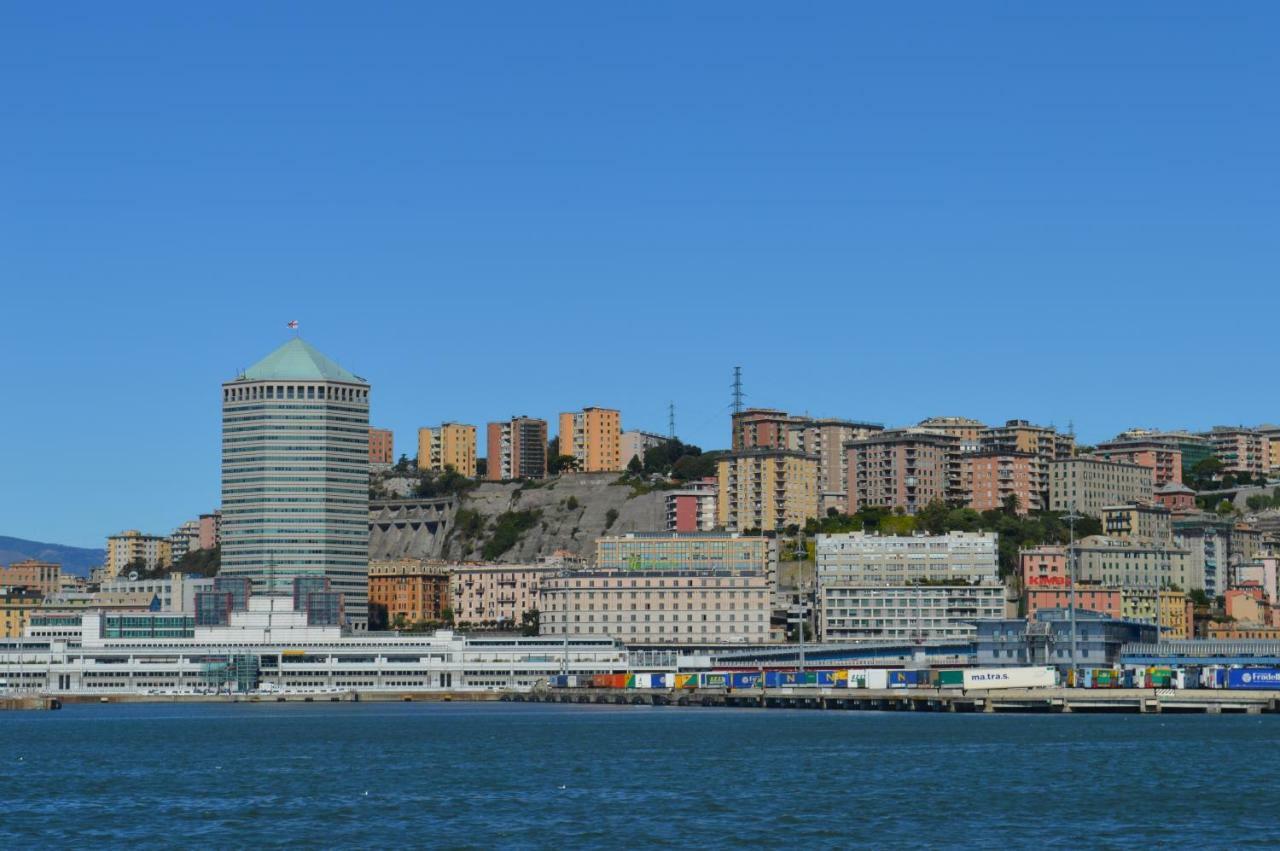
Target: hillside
x=77 y=560
x=519 y=522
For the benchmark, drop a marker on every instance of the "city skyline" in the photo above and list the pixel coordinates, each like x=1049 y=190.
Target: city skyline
x=979 y=211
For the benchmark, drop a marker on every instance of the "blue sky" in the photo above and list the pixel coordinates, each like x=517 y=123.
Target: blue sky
x=1056 y=212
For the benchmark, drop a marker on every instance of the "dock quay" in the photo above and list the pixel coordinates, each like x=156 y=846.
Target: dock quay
x=1043 y=700
x=28 y=702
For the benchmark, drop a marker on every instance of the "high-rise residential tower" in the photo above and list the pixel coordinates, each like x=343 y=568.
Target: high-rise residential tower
x=295 y=476
x=517 y=449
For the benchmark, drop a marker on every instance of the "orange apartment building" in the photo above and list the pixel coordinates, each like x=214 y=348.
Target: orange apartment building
x=381 y=446
x=411 y=589
x=1164 y=459
x=517 y=449
x=448 y=445
x=593 y=438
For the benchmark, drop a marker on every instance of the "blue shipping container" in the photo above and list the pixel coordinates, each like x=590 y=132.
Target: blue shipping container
x=902 y=679
x=745 y=680
x=772 y=679
x=826 y=678
x=1268 y=678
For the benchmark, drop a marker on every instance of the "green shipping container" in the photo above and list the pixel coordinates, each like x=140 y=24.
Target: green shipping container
x=948 y=679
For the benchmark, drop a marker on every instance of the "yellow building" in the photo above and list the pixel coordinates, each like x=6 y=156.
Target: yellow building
x=767 y=489
x=448 y=445
x=15 y=612
x=152 y=551
x=593 y=437
x=1176 y=611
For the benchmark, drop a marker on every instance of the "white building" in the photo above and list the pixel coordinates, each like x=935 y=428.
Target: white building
x=177 y=592
x=633 y=444
x=295 y=475
x=862 y=558
x=270 y=646
x=906 y=612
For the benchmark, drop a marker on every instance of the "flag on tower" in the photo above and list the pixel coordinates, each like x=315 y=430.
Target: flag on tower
x=293 y=324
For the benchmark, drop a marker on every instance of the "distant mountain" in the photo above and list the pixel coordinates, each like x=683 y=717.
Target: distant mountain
x=77 y=560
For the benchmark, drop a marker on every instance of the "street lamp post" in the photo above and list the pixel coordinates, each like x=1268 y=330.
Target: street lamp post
x=1071 y=579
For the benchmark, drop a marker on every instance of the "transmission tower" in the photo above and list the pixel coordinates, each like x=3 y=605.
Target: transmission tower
x=737 y=390
x=671 y=420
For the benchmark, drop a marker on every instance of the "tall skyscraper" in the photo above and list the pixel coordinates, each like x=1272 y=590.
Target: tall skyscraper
x=295 y=476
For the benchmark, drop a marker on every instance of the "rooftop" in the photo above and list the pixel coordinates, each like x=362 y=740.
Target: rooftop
x=298 y=360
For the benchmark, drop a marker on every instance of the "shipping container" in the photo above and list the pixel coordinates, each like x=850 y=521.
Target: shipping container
x=661 y=680
x=1254 y=678
x=877 y=677
x=826 y=679
x=713 y=680
x=686 y=680
x=908 y=678
x=950 y=679
x=797 y=678
x=602 y=680
x=772 y=679
x=988 y=678
x=747 y=680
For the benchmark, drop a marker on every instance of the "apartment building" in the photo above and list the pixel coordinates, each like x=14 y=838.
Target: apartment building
x=870 y=559
x=41 y=577
x=688 y=553
x=1193 y=447
x=766 y=489
x=763 y=428
x=152 y=551
x=1151 y=521
x=902 y=468
x=1163 y=459
x=1093 y=598
x=1208 y=540
x=1134 y=563
x=990 y=478
x=966 y=431
x=692 y=508
x=497 y=593
x=593 y=438
x=176 y=591
x=517 y=449
x=409 y=590
x=448 y=445
x=662 y=607
x=634 y=444
x=1271 y=433
x=1088 y=485
x=1044 y=567
x=382 y=450
x=210 y=530
x=1241 y=450
x=851 y=612
x=1045 y=443
x=1177 y=613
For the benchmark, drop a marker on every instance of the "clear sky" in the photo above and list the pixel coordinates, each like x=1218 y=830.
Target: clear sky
x=1061 y=212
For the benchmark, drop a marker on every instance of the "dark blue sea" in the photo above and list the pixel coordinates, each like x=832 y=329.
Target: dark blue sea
x=548 y=776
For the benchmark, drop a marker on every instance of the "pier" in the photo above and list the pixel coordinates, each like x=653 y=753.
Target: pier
x=1043 y=700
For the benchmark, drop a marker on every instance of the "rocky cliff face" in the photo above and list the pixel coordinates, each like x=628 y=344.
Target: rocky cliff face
x=537 y=518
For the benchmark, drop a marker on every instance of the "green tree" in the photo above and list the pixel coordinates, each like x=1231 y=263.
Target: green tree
x=635 y=466
x=530 y=622
x=610 y=517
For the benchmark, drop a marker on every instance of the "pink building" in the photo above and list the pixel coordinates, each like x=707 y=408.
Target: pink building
x=1045 y=567
x=1176 y=497
x=381 y=446
x=1107 y=601
x=1164 y=459
x=210 y=530
x=990 y=478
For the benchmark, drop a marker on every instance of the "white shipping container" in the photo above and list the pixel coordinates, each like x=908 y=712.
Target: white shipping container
x=877 y=677
x=644 y=681
x=985 y=678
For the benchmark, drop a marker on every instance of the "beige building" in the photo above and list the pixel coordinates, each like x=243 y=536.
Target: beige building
x=1154 y=522
x=448 y=445
x=1045 y=443
x=152 y=551
x=660 y=607
x=963 y=429
x=41 y=577
x=1088 y=485
x=903 y=468
x=15 y=611
x=593 y=438
x=497 y=593
x=1131 y=563
x=767 y=489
